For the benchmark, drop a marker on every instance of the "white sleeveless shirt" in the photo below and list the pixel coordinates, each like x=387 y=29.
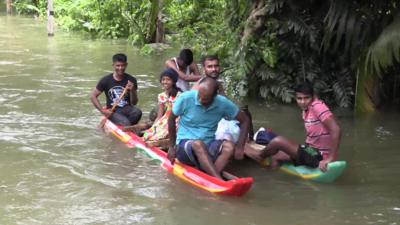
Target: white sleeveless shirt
x=183 y=85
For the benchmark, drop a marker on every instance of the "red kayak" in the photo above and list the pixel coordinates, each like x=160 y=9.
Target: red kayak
x=233 y=187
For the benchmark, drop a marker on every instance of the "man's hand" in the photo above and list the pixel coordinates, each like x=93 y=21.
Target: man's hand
x=239 y=153
x=323 y=165
x=106 y=112
x=129 y=86
x=172 y=154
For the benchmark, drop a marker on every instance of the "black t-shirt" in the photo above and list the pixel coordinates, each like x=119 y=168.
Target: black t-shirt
x=113 y=89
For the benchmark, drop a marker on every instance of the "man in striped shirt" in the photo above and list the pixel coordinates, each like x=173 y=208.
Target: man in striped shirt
x=323 y=135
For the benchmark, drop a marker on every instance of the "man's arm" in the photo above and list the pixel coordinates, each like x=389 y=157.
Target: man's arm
x=94 y=99
x=182 y=75
x=194 y=69
x=172 y=137
x=336 y=134
x=132 y=92
x=133 y=96
x=244 y=131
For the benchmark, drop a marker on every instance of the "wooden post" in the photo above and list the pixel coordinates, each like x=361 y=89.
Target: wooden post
x=50 y=18
x=9 y=6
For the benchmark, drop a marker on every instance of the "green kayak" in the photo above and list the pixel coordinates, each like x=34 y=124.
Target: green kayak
x=335 y=169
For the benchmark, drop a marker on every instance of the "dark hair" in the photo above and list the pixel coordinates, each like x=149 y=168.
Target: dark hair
x=186 y=55
x=304 y=88
x=120 y=57
x=171 y=73
x=209 y=58
x=174 y=90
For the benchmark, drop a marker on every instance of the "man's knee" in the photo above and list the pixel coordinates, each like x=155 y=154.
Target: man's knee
x=135 y=115
x=198 y=147
x=278 y=140
x=228 y=147
x=120 y=120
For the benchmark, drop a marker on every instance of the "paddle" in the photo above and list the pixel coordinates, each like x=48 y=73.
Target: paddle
x=114 y=107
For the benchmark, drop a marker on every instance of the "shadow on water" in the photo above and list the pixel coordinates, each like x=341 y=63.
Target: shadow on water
x=58 y=168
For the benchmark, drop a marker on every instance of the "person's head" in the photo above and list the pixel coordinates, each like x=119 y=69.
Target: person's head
x=304 y=94
x=119 y=63
x=211 y=66
x=208 y=89
x=168 y=79
x=186 y=57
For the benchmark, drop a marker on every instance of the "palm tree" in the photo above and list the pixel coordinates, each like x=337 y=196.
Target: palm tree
x=368 y=32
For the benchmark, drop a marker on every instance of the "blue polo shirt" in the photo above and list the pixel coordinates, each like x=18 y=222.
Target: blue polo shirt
x=197 y=122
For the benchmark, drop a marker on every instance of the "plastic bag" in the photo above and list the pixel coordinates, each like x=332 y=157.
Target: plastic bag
x=228 y=130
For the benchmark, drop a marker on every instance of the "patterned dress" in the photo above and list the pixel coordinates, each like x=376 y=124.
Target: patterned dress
x=159 y=130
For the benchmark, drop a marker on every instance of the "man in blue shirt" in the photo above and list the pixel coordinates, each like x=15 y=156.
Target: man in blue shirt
x=194 y=144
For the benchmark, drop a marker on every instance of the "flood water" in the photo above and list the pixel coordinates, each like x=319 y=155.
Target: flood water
x=56 y=167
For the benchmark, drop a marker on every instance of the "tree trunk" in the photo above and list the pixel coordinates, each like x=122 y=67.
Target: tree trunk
x=9 y=7
x=50 y=18
x=255 y=22
x=160 y=33
x=152 y=22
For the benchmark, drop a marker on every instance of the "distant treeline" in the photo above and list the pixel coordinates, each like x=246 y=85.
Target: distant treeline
x=350 y=50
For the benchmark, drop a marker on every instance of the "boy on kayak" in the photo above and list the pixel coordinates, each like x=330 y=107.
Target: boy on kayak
x=185 y=67
x=194 y=144
x=113 y=86
x=323 y=135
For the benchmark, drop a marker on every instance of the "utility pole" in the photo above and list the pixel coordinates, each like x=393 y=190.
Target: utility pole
x=9 y=7
x=50 y=18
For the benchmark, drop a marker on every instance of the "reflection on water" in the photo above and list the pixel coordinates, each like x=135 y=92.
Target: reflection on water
x=56 y=167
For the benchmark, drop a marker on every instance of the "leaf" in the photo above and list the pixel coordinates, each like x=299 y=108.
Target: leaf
x=386 y=48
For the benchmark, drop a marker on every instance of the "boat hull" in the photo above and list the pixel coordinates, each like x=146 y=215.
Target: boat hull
x=193 y=176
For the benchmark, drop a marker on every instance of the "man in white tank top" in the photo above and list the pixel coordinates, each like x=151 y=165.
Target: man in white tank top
x=186 y=69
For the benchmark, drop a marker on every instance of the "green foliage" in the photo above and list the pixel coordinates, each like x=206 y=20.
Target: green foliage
x=30 y=7
x=147 y=50
x=197 y=24
x=367 y=33
x=385 y=50
x=99 y=18
x=298 y=32
x=266 y=46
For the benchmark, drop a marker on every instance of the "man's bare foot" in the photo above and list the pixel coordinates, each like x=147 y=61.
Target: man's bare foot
x=274 y=164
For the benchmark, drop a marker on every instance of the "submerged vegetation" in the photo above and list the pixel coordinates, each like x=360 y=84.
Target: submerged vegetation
x=350 y=50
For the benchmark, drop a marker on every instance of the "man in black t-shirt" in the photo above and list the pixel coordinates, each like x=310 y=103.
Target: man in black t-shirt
x=126 y=113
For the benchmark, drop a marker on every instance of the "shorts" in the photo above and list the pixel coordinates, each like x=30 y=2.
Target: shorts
x=263 y=136
x=308 y=156
x=186 y=155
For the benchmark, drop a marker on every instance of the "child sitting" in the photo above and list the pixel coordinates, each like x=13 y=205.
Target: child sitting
x=159 y=130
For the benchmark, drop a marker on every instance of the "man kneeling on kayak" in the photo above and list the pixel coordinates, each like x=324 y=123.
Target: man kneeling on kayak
x=194 y=144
